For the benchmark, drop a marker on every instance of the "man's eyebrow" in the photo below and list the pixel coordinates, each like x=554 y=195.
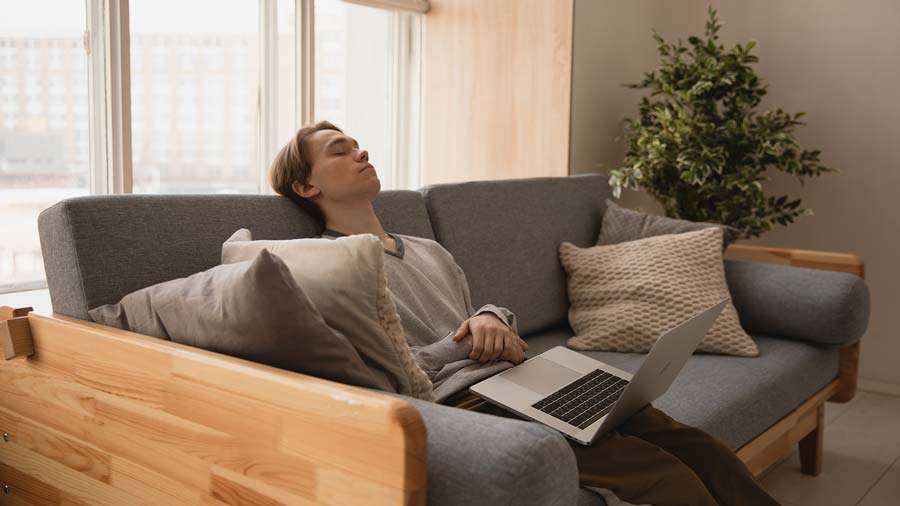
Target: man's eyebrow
x=338 y=140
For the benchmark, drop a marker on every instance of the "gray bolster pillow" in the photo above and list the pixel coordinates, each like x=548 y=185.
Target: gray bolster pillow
x=825 y=307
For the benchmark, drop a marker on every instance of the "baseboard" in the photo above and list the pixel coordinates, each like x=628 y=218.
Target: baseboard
x=880 y=387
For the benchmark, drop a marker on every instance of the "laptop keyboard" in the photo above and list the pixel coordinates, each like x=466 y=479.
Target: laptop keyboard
x=585 y=400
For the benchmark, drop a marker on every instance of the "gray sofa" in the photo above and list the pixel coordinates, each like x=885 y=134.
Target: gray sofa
x=505 y=236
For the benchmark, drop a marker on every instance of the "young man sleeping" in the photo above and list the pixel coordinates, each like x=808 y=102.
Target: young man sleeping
x=650 y=459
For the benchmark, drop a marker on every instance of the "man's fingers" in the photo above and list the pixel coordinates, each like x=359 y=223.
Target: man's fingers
x=499 y=346
x=508 y=351
x=522 y=343
x=518 y=353
x=489 y=345
x=461 y=331
x=488 y=353
x=509 y=345
x=504 y=341
x=477 y=345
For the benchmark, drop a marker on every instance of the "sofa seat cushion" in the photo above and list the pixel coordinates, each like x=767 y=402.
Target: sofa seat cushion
x=733 y=398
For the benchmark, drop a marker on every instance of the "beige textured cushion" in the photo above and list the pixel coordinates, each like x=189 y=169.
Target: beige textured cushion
x=346 y=281
x=623 y=296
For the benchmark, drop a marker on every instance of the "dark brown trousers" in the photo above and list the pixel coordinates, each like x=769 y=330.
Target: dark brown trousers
x=652 y=459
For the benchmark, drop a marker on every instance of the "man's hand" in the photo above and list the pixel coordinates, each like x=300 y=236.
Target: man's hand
x=491 y=339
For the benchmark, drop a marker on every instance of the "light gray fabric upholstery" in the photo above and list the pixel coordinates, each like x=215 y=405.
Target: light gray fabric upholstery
x=732 y=398
x=505 y=236
x=813 y=305
x=98 y=249
x=476 y=458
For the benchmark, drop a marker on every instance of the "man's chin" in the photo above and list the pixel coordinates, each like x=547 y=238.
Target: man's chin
x=375 y=187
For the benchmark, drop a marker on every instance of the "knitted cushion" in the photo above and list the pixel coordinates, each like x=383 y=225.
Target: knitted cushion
x=624 y=296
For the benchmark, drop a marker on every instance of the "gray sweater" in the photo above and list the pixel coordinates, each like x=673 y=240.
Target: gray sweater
x=432 y=298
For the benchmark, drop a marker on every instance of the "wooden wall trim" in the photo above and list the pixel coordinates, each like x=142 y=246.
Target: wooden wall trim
x=497 y=89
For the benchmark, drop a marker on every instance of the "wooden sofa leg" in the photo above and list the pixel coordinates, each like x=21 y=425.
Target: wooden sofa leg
x=849 y=372
x=811 y=446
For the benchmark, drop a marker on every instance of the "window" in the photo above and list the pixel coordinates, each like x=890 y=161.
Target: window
x=352 y=76
x=41 y=161
x=185 y=55
x=212 y=98
x=366 y=83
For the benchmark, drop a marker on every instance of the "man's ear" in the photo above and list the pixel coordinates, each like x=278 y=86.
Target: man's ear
x=305 y=190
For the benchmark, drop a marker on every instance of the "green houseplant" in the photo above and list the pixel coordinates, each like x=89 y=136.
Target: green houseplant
x=700 y=148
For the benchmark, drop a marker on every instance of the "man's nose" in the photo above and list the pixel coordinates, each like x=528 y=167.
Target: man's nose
x=364 y=155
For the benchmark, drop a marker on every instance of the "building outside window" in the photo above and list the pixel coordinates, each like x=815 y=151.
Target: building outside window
x=41 y=161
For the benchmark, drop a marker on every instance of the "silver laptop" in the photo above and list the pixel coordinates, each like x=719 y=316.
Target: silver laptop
x=584 y=398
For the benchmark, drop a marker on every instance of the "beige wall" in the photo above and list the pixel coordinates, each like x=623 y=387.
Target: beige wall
x=837 y=61
x=497 y=85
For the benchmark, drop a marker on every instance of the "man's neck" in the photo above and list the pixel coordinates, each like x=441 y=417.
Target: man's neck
x=352 y=220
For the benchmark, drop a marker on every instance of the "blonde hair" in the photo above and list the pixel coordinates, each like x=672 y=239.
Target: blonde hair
x=292 y=164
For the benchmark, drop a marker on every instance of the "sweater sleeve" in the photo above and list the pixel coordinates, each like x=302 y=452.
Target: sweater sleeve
x=505 y=315
x=433 y=357
x=450 y=369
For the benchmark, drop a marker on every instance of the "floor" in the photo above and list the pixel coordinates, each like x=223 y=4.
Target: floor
x=862 y=458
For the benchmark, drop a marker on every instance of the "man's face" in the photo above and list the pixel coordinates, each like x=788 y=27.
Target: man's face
x=340 y=170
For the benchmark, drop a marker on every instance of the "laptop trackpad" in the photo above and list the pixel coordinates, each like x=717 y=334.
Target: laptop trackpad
x=541 y=375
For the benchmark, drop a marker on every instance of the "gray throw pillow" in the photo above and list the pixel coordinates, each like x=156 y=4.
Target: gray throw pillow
x=252 y=310
x=623 y=225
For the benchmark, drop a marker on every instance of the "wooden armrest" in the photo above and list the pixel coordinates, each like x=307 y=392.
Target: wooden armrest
x=843 y=262
x=103 y=416
x=823 y=260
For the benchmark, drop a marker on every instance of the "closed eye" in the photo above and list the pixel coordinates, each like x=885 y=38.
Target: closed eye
x=344 y=141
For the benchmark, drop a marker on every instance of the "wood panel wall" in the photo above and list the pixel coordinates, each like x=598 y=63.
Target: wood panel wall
x=497 y=89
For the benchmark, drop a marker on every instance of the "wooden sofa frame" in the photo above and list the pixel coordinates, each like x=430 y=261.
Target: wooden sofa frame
x=92 y=415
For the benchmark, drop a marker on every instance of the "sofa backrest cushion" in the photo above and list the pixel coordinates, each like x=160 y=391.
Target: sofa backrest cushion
x=97 y=249
x=505 y=235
